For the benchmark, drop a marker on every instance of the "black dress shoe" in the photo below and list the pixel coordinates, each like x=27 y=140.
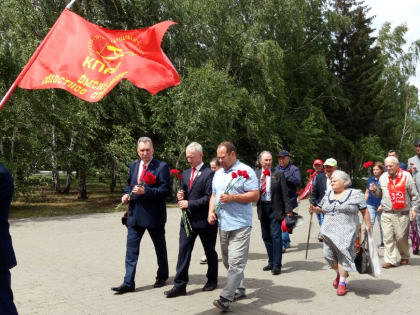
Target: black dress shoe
x=209 y=286
x=122 y=289
x=275 y=271
x=267 y=268
x=159 y=283
x=174 y=292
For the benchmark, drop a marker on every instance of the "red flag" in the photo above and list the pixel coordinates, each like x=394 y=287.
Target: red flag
x=88 y=60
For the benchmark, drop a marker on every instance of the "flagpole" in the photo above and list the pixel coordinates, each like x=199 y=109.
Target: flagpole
x=9 y=93
x=70 y=4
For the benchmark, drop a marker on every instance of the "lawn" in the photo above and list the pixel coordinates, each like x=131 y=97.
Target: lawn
x=43 y=201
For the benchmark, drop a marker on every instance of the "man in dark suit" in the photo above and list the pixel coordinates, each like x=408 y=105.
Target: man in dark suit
x=147 y=211
x=7 y=255
x=272 y=207
x=293 y=181
x=320 y=185
x=194 y=197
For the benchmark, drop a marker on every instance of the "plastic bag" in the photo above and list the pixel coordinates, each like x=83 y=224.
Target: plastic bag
x=373 y=256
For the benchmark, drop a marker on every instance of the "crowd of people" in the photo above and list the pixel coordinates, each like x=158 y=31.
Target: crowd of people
x=218 y=200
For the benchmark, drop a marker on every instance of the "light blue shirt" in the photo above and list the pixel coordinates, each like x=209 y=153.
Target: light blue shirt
x=234 y=215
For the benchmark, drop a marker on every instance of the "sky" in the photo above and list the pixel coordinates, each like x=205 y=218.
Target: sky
x=399 y=12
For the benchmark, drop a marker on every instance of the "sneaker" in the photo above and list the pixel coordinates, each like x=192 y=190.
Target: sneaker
x=336 y=280
x=222 y=304
x=203 y=260
x=238 y=296
x=342 y=289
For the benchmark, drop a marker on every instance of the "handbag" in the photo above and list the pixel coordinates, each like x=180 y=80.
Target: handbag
x=362 y=261
x=414 y=235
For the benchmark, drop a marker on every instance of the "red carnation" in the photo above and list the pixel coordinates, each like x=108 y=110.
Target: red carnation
x=149 y=178
x=410 y=171
x=367 y=164
x=266 y=172
x=310 y=171
x=179 y=176
x=234 y=175
x=239 y=173
x=245 y=174
x=174 y=172
x=411 y=163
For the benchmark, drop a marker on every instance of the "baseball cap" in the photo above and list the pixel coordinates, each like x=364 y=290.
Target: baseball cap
x=318 y=162
x=330 y=162
x=283 y=153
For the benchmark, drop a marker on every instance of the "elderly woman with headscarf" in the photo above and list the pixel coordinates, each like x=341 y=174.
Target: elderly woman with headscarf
x=341 y=208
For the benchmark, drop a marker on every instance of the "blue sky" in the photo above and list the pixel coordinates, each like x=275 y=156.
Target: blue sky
x=399 y=12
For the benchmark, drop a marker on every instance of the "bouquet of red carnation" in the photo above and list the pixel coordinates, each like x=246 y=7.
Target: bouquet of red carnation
x=240 y=174
x=412 y=168
x=148 y=179
x=177 y=177
x=367 y=164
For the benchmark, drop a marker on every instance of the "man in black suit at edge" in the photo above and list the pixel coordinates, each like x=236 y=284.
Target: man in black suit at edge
x=147 y=211
x=272 y=207
x=7 y=255
x=195 y=196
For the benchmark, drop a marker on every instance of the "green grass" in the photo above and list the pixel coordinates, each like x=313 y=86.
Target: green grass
x=45 y=202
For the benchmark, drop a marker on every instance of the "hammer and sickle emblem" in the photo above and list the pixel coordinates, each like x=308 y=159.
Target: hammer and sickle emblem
x=116 y=53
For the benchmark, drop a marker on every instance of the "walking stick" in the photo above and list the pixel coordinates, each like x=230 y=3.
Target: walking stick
x=309 y=234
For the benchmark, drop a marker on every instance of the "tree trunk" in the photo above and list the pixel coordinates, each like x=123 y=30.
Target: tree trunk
x=54 y=171
x=69 y=168
x=1 y=146
x=113 y=177
x=12 y=143
x=68 y=182
x=82 y=184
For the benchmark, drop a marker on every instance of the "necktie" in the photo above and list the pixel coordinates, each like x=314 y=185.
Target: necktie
x=264 y=185
x=143 y=172
x=192 y=177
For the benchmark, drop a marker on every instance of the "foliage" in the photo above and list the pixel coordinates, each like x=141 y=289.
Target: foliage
x=306 y=76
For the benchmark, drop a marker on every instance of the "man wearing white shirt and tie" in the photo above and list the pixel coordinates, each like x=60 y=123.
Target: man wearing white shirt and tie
x=272 y=207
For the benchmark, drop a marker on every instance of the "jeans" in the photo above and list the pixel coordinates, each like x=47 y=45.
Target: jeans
x=286 y=239
x=320 y=217
x=373 y=213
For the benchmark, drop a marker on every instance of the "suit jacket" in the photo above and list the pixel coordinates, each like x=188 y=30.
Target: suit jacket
x=148 y=210
x=319 y=188
x=293 y=180
x=279 y=195
x=198 y=196
x=7 y=254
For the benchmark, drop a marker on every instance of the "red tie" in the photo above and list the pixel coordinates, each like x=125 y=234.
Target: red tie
x=264 y=185
x=143 y=172
x=192 y=177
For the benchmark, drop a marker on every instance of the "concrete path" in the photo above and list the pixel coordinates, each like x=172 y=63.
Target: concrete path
x=66 y=265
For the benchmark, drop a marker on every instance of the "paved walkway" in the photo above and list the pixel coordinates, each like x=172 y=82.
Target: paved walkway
x=66 y=265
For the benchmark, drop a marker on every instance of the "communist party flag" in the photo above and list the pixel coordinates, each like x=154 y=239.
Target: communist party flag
x=88 y=60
